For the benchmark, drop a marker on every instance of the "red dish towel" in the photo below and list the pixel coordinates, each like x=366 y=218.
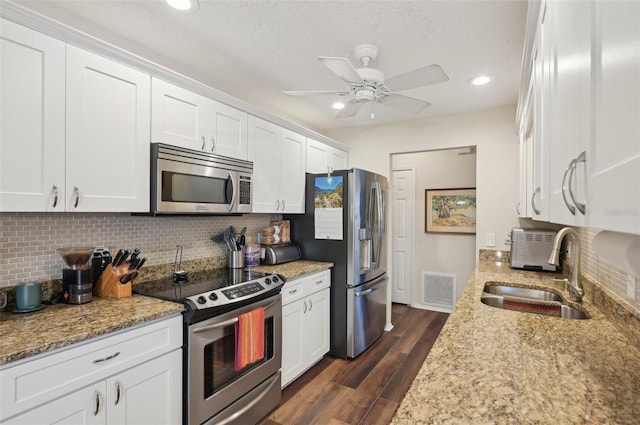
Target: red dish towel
x=249 y=338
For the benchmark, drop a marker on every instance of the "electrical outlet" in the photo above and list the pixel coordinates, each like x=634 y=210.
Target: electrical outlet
x=631 y=286
x=491 y=239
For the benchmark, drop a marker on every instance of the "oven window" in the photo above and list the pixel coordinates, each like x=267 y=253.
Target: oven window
x=178 y=187
x=220 y=358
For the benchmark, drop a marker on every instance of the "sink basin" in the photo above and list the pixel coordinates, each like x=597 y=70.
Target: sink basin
x=530 y=300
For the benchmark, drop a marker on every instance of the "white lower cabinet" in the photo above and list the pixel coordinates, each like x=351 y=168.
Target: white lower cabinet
x=134 y=377
x=305 y=323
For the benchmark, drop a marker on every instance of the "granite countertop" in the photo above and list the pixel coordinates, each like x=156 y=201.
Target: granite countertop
x=295 y=269
x=59 y=325
x=494 y=366
x=56 y=326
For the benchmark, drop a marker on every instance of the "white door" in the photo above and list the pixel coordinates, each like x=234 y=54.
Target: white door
x=317 y=325
x=230 y=133
x=292 y=170
x=263 y=151
x=338 y=160
x=86 y=406
x=316 y=157
x=150 y=393
x=178 y=116
x=32 y=135
x=108 y=132
x=403 y=216
x=293 y=346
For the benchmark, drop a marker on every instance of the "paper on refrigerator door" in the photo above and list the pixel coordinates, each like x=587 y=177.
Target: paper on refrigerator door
x=328 y=203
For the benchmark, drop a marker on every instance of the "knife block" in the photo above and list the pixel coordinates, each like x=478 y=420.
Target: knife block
x=109 y=285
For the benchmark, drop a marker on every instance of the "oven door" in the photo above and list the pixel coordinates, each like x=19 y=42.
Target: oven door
x=181 y=187
x=213 y=381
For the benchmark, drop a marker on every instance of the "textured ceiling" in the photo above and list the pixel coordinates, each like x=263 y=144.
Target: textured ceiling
x=255 y=49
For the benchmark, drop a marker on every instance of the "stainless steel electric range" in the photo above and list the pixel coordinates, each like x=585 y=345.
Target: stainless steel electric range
x=215 y=391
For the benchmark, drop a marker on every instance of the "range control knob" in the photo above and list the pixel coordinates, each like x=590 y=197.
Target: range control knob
x=267 y=281
x=213 y=296
x=275 y=279
x=202 y=300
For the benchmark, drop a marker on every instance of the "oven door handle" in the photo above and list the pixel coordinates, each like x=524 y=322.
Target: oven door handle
x=229 y=322
x=275 y=380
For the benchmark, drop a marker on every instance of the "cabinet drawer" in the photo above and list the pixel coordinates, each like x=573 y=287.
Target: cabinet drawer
x=32 y=383
x=318 y=281
x=293 y=290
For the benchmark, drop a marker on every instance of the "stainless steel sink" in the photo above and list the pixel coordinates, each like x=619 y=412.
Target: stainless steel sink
x=530 y=300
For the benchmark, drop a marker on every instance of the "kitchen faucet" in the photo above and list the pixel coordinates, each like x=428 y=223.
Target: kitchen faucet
x=576 y=291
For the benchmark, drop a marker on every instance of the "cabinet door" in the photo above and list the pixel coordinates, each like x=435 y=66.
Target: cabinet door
x=108 y=130
x=178 y=116
x=317 y=157
x=294 y=359
x=614 y=155
x=317 y=325
x=86 y=406
x=338 y=159
x=543 y=116
x=572 y=103
x=150 y=393
x=32 y=134
x=292 y=170
x=263 y=151
x=229 y=133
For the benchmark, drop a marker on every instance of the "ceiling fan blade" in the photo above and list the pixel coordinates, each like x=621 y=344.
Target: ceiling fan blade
x=315 y=93
x=427 y=75
x=342 y=68
x=404 y=103
x=349 y=110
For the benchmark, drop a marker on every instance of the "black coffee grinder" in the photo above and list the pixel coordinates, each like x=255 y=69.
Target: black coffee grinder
x=77 y=283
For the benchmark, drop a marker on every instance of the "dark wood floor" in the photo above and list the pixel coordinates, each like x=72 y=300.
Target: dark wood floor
x=369 y=389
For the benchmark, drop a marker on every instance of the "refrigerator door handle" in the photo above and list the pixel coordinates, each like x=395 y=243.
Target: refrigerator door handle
x=377 y=224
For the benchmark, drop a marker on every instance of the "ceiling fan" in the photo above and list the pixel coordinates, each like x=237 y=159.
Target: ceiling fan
x=368 y=85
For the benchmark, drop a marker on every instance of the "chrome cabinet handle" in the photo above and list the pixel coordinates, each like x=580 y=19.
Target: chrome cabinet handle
x=117 y=393
x=564 y=187
x=203 y=144
x=305 y=307
x=518 y=209
x=284 y=206
x=77 y=192
x=213 y=144
x=104 y=359
x=96 y=396
x=55 y=195
x=533 y=201
x=293 y=292
x=277 y=204
x=310 y=305
x=581 y=158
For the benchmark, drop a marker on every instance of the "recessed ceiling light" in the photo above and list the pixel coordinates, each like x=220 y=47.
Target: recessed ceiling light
x=183 y=5
x=480 y=80
x=338 y=105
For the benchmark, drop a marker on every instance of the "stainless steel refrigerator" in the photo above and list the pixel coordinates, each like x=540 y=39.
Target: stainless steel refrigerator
x=344 y=223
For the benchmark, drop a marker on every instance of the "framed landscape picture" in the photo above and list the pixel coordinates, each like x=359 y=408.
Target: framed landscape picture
x=450 y=211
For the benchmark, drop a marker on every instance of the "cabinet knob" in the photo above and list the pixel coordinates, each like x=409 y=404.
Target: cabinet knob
x=55 y=196
x=76 y=191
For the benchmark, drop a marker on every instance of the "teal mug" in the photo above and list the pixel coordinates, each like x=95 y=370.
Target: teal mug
x=29 y=296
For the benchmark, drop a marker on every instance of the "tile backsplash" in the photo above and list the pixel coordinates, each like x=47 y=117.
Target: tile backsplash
x=28 y=241
x=600 y=271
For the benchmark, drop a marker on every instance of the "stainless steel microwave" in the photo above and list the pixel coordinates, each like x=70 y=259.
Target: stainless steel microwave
x=186 y=181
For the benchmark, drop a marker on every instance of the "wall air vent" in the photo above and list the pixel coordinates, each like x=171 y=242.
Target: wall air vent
x=438 y=291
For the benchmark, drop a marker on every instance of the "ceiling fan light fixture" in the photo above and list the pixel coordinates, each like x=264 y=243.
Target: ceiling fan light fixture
x=183 y=5
x=480 y=80
x=338 y=105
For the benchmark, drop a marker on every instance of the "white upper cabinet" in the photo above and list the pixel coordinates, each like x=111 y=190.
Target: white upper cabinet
x=614 y=154
x=278 y=157
x=571 y=129
x=322 y=158
x=107 y=149
x=184 y=118
x=32 y=133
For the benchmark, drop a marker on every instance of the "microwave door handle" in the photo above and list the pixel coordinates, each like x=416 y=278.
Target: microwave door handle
x=233 y=192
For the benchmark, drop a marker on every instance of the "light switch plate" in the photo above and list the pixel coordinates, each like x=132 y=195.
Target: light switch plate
x=491 y=239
